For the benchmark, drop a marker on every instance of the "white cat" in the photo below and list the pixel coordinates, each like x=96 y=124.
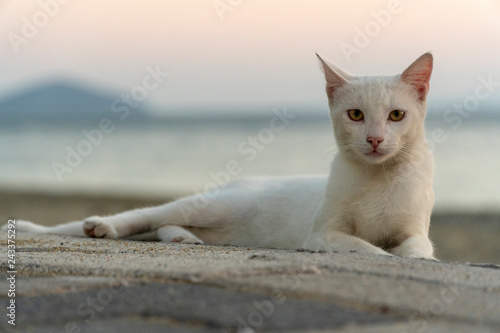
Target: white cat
x=377 y=199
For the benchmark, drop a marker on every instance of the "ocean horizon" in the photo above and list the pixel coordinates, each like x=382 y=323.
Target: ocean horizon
x=181 y=155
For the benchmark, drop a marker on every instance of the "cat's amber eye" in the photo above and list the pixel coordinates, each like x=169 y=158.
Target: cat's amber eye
x=355 y=114
x=396 y=115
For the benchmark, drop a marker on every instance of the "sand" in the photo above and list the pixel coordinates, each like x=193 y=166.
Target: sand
x=80 y=284
x=458 y=237
x=72 y=284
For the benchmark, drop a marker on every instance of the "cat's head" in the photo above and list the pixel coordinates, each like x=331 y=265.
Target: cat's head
x=377 y=118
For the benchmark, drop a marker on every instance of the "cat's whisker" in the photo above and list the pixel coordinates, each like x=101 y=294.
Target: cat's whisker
x=405 y=153
x=329 y=151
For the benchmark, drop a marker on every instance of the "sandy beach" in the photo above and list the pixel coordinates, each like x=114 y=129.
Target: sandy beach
x=65 y=283
x=458 y=237
x=76 y=284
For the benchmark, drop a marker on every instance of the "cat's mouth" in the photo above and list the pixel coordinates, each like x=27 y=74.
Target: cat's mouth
x=376 y=155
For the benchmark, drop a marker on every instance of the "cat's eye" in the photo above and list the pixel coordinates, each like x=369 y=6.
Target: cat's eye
x=396 y=115
x=355 y=114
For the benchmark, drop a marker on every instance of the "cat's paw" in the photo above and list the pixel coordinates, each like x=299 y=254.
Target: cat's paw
x=96 y=227
x=381 y=252
x=177 y=234
x=187 y=239
x=416 y=247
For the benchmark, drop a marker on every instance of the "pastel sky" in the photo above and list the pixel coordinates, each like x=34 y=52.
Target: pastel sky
x=245 y=52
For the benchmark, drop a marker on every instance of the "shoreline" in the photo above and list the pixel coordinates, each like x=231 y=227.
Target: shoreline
x=458 y=236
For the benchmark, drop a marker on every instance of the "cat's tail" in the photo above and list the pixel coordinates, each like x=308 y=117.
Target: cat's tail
x=71 y=229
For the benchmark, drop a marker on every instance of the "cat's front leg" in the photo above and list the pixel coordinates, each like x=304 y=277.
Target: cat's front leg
x=342 y=242
x=417 y=246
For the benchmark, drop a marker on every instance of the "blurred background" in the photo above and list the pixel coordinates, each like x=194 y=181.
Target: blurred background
x=111 y=105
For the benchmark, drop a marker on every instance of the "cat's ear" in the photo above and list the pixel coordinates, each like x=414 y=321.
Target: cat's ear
x=335 y=77
x=418 y=74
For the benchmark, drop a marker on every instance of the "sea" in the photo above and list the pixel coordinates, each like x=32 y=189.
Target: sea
x=181 y=155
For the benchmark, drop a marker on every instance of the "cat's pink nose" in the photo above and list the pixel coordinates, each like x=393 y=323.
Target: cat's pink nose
x=374 y=141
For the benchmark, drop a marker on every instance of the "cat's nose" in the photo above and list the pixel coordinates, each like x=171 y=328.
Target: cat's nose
x=374 y=141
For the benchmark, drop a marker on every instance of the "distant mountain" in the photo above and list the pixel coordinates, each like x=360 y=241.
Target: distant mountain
x=60 y=102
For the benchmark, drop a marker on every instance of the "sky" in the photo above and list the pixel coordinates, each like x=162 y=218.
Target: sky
x=244 y=53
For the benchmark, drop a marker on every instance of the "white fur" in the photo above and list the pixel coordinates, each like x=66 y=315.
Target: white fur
x=371 y=202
